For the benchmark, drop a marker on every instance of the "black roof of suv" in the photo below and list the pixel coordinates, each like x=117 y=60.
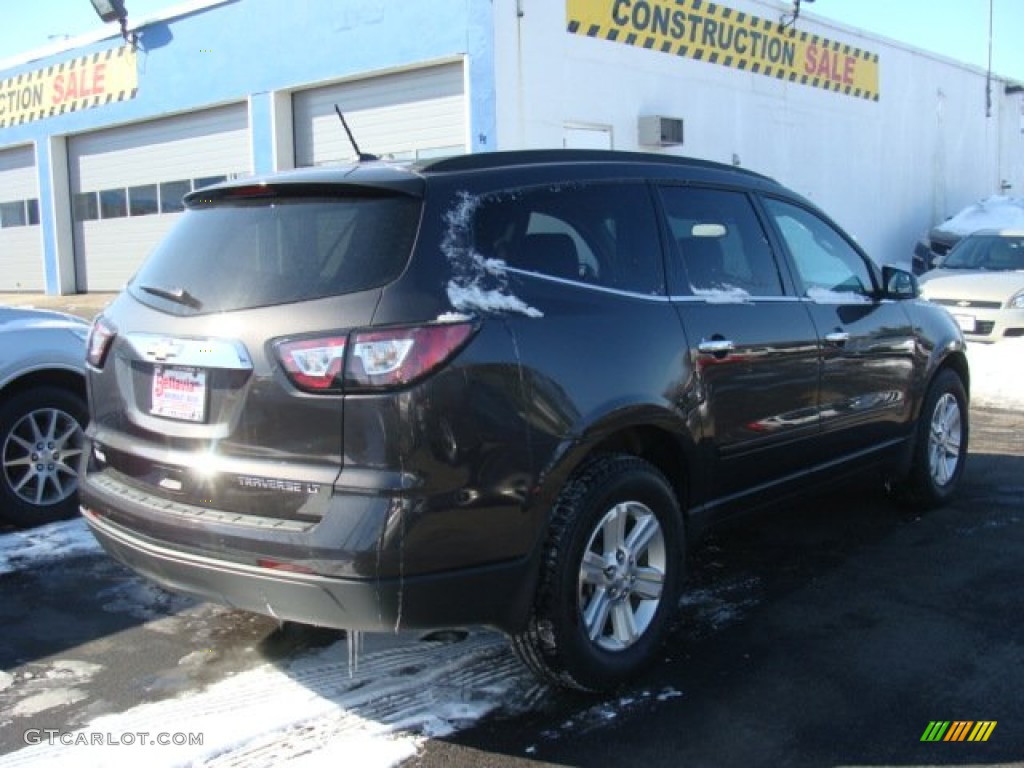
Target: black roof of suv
x=501 y=389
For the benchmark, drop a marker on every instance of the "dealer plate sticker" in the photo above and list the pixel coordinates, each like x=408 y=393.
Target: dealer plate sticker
x=179 y=393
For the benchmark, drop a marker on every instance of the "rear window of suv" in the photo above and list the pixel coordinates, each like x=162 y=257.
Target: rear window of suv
x=240 y=253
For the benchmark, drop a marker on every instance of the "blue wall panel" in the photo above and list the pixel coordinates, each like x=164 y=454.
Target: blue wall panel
x=247 y=49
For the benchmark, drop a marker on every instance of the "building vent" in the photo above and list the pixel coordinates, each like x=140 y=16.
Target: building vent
x=658 y=131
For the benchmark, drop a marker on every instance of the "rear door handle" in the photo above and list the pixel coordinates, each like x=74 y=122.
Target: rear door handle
x=837 y=338
x=717 y=347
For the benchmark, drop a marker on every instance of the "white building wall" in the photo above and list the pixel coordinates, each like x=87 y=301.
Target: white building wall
x=885 y=170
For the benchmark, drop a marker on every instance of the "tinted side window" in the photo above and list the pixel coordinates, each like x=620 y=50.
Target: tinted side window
x=603 y=234
x=827 y=265
x=719 y=243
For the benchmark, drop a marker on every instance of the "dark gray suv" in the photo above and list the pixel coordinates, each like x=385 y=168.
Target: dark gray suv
x=502 y=389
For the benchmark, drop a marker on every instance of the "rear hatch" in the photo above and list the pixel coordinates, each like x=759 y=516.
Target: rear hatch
x=215 y=379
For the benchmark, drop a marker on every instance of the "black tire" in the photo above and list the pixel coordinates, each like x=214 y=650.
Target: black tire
x=40 y=447
x=619 y=513
x=940 y=447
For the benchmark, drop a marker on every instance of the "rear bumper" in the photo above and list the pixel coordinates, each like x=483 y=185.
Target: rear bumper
x=493 y=595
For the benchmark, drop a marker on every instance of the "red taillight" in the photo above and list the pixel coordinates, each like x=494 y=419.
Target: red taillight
x=280 y=565
x=101 y=336
x=398 y=356
x=375 y=359
x=314 y=365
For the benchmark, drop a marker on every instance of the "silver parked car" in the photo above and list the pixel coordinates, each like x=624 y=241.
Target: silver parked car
x=42 y=413
x=996 y=212
x=981 y=282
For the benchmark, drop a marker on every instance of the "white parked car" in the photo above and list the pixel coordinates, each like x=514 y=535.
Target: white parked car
x=996 y=212
x=42 y=413
x=981 y=282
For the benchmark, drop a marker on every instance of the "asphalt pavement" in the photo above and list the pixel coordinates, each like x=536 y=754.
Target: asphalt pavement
x=834 y=633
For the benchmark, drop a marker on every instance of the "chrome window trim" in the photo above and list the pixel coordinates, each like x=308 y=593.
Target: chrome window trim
x=687 y=299
x=590 y=286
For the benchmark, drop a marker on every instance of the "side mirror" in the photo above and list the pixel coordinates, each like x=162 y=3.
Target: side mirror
x=900 y=284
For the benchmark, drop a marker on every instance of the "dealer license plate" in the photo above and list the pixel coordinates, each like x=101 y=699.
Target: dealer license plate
x=968 y=323
x=179 y=393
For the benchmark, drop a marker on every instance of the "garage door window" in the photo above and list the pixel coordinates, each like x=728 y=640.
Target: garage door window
x=113 y=203
x=208 y=181
x=12 y=214
x=142 y=200
x=86 y=207
x=171 y=194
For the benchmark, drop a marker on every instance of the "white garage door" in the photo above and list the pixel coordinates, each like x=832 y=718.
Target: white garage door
x=401 y=116
x=127 y=184
x=21 y=245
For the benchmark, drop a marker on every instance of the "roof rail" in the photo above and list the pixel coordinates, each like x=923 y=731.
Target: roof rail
x=486 y=160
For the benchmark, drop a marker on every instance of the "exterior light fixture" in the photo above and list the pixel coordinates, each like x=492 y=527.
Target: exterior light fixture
x=789 y=19
x=110 y=10
x=114 y=10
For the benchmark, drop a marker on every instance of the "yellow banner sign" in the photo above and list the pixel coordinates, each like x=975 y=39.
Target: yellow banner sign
x=717 y=34
x=82 y=83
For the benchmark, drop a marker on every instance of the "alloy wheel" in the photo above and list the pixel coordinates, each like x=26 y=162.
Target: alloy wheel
x=40 y=456
x=622 y=576
x=944 y=440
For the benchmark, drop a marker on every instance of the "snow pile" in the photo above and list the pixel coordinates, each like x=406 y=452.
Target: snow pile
x=604 y=712
x=314 y=711
x=996 y=212
x=64 y=682
x=479 y=284
x=715 y=608
x=145 y=601
x=46 y=544
x=997 y=374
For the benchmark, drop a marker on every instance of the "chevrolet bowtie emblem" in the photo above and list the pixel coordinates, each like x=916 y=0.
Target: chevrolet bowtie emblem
x=164 y=350
x=963 y=303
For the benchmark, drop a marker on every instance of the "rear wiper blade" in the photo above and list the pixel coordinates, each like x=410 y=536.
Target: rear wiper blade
x=177 y=295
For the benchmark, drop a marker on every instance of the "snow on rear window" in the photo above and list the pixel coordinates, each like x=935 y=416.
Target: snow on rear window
x=478 y=284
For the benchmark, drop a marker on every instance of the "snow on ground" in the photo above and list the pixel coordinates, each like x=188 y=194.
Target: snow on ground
x=315 y=710
x=49 y=543
x=997 y=374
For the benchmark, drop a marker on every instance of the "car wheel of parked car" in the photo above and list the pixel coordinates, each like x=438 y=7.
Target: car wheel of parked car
x=41 y=440
x=940 y=450
x=610 y=575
